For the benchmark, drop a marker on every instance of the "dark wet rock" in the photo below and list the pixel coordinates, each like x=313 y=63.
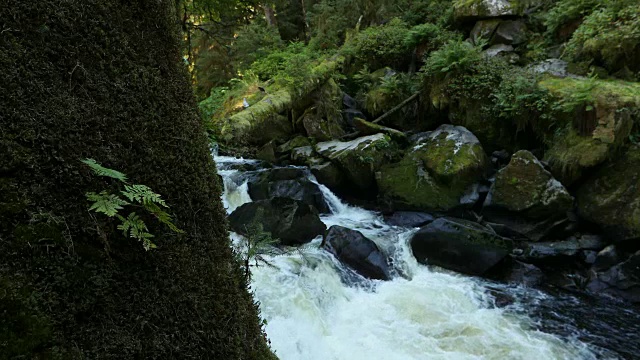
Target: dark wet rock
x=267 y=152
x=291 y=221
x=329 y=175
x=358 y=252
x=409 y=219
x=572 y=247
x=524 y=274
x=484 y=30
x=611 y=198
x=606 y=258
x=459 y=245
x=622 y=280
x=351 y=115
x=290 y=183
x=348 y=101
x=510 y=32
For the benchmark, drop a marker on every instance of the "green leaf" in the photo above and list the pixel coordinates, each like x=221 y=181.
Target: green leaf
x=105 y=203
x=142 y=194
x=103 y=171
x=162 y=216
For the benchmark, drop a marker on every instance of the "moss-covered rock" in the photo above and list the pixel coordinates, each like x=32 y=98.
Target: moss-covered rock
x=321 y=129
x=470 y=10
x=611 y=197
x=572 y=154
x=358 y=159
x=599 y=117
x=436 y=172
x=526 y=188
x=298 y=141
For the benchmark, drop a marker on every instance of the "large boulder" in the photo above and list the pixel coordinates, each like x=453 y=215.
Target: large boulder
x=524 y=187
x=483 y=9
x=290 y=183
x=329 y=175
x=408 y=219
x=291 y=221
x=321 y=129
x=611 y=197
x=596 y=130
x=510 y=32
x=358 y=160
x=622 y=280
x=459 y=245
x=435 y=173
x=358 y=252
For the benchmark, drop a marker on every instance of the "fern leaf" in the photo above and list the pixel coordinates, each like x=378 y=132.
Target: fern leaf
x=162 y=216
x=135 y=227
x=103 y=171
x=143 y=195
x=105 y=203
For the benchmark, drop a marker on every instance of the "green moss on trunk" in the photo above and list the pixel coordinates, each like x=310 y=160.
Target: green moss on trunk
x=104 y=79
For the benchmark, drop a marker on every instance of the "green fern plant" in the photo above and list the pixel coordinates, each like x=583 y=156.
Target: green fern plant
x=136 y=196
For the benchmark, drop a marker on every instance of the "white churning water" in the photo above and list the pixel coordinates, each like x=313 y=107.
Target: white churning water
x=316 y=308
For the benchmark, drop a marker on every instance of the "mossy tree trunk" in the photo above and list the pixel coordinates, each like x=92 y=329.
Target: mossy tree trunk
x=103 y=79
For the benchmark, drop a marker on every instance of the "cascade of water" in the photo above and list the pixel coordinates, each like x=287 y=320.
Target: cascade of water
x=312 y=312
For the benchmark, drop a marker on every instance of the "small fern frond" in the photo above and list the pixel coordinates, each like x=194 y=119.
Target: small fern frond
x=162 y=216
x=142 y=194
x=103 y=171
x=135 y=227
x=105 y=203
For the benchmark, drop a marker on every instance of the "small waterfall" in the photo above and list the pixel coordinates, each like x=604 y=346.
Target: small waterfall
x=314 y=309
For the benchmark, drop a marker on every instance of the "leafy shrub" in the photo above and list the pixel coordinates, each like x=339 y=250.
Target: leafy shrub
x=521 y=100
x=611 y=35
x=434 y=35
x=380 y=46
x=255 y=41
x=566 y=11
x=454 y=57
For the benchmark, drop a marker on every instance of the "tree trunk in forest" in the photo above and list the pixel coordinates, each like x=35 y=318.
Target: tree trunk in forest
x=103 y=79
x=270 y=15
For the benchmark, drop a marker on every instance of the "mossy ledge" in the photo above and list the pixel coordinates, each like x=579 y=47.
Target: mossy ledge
x=104 y=79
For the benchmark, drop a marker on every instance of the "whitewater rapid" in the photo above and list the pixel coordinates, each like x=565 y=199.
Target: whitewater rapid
x=316 y=308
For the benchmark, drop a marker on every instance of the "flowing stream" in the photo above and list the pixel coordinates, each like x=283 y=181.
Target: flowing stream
x=316 y=308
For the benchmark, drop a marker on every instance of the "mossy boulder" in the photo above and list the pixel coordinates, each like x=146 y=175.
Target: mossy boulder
x=611 y=197
x=482 y=9
x=572 y=154
x=358 y=160
x=526 y=188
x=298 y=141
x=306 y=156
x=599 y=117
x=436 y=171
x=459 y=245
x=321 y=129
